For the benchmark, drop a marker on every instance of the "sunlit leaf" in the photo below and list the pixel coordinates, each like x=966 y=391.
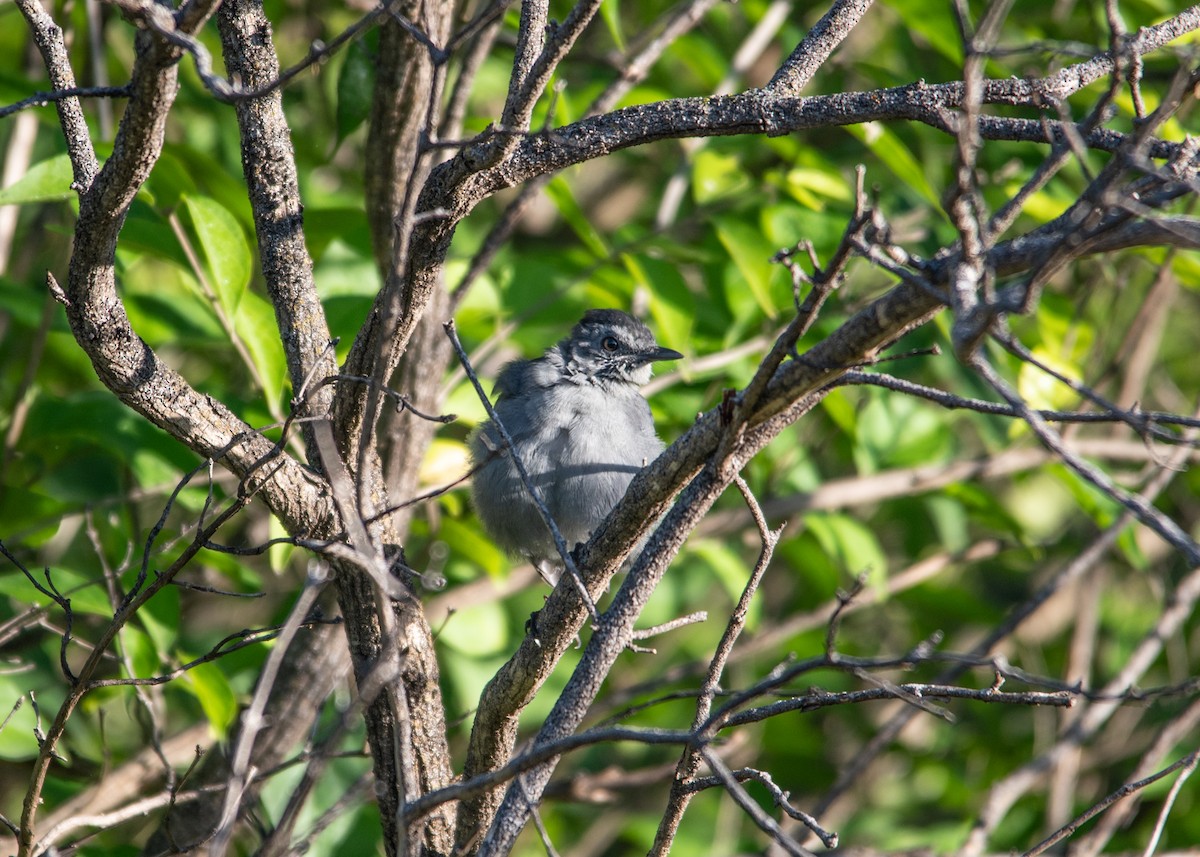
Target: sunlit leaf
x=752 y=255
x=255 y=324
x=671 y=303
x=809 y=185
x=470 y=544
x=851 y=544
x=17 y=740
x=278 y=554
x=895 y=155
x=730 y=568
x=46 y=181
x=610 y=11
x=477 y=630
x=210 y=687
x=226 y=250
x=716 y=175
x=87 y=594
x=1041 y=389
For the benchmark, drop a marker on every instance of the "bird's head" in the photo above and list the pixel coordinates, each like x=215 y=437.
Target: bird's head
x=610 y=345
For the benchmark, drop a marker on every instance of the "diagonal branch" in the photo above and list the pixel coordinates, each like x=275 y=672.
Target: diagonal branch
x=817 y=46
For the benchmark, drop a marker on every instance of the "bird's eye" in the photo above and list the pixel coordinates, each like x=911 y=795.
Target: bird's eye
x=609 y=344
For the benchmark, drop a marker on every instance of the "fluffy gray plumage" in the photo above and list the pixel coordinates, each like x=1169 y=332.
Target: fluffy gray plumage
x=581 y=426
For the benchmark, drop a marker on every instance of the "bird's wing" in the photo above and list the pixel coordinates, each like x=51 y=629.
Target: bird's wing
x=522 y=377
x=512 y=379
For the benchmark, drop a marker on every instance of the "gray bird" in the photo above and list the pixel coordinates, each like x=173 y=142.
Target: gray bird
x=581 y=426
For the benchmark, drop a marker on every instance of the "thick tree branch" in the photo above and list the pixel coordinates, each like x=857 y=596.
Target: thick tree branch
x=269 y=164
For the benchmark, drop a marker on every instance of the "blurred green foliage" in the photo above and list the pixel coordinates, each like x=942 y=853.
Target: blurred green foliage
x=84 y=479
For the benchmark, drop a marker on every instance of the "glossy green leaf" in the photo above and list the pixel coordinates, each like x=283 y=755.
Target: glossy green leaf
x=227 y=256
x=255 y=324
x=210 y=687
x=46 y=181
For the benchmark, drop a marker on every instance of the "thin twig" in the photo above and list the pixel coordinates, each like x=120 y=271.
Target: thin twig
x=1187 y=763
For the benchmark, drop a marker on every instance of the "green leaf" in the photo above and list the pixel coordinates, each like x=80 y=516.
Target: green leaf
x=987 y=510
x=144 y=656
x=469 y=543
x=160 y=617
x=23 y=303
x=610 y=11
x=851 y=544
x=45 y=181
x=1042 y=390
x=255 y=324
x=278 y=554
x=841 y=410
x=890 y=149
x=934 y=21
x=226 y=250
x=32 y=512
x=900 y=432
x=716 y=175
x=346 y=225
x=479 y=630
x=355 y=86
x=807 y=186
x=87 y=595
x=752 y=255
x=730 y=569
x=17 y=741
x=208 y=684
x=671 y=302
x=564 y=200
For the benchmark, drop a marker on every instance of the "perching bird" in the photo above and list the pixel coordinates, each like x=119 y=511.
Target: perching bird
x=582 y=428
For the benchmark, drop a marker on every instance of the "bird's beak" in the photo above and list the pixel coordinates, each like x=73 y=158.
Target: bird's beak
x=661 y=353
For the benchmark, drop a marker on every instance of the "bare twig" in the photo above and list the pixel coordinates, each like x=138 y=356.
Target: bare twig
x=1185 y=765
x=241 y=768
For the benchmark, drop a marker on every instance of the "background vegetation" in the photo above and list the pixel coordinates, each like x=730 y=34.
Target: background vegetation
x=976 y=548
